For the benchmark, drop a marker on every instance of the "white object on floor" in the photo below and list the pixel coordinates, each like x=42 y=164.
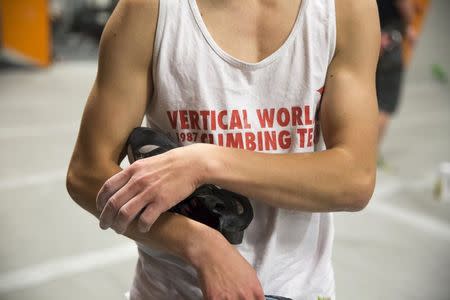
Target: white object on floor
x=444 y=181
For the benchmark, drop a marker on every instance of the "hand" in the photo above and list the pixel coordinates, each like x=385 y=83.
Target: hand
x=148 y=188
x=225 y=274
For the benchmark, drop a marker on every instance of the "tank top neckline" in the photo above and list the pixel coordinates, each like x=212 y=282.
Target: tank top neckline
x=240 y=63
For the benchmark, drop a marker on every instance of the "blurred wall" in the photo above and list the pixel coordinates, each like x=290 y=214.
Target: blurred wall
x=25 y=31
x=66 y=9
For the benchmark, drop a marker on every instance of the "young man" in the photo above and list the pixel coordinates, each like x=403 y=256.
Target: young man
x=241 y=83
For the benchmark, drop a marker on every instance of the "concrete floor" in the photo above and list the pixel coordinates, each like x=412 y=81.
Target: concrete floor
x=397 y=248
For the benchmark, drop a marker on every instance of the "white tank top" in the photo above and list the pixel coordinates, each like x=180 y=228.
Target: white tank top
x=203 y=94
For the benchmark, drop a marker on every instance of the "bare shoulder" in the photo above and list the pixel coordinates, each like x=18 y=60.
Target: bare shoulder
x=138 y=10
x=352 y=12
x=130 y=31
x=357 y=37
x=355 y=21
x=140 y=16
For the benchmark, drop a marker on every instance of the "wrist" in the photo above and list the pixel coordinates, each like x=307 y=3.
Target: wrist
x=207 y=159
x=204 y=247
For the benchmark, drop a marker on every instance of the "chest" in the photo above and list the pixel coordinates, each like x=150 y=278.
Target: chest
x=250 y=31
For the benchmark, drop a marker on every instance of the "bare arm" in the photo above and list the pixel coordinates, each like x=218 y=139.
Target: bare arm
x=115 y=106
x=342 y=177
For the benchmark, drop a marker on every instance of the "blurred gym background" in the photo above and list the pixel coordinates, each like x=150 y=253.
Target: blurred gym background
x=397 y=248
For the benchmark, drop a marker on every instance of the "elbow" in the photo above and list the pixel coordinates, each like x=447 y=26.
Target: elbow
x=83 y=181
x=73 y=184
x=80 y=187
x=78 y=183
x=359 y=192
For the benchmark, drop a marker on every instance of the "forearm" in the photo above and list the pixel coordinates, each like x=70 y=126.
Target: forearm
x=329 y=180
x=173 y=233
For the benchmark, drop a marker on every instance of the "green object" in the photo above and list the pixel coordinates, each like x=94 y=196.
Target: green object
x=437 y=189
x=439 y=73
x=382 y=164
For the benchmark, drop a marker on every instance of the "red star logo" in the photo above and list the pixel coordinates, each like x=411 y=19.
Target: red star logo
x=321 y=90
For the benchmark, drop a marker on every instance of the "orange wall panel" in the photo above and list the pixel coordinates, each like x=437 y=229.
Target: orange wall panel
x=25 y=26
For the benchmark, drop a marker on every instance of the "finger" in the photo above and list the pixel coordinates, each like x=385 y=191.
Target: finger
x=116 y=202
x=148 y=217
x=130 y=210
x=111 y=186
